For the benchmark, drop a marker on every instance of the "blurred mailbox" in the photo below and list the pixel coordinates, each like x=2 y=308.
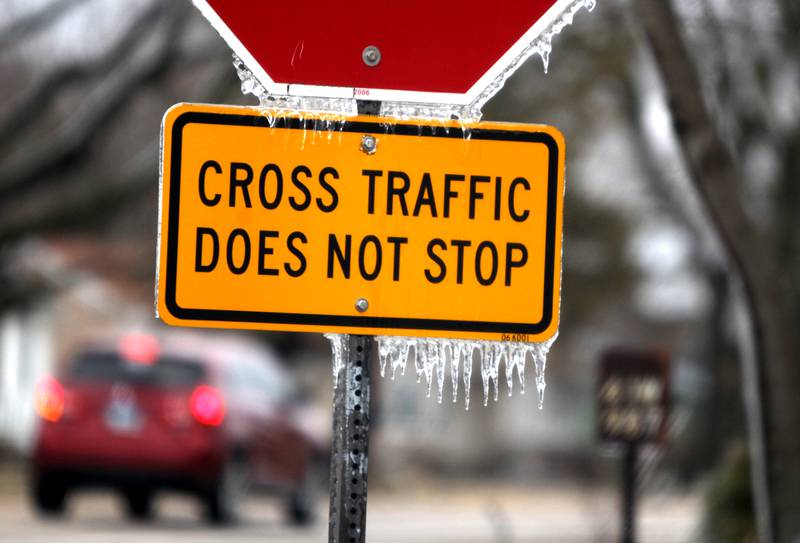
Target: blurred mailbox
x=361 y=225
x=633 y=396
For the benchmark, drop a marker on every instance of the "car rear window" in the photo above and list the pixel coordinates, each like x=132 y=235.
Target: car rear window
x=166 y=371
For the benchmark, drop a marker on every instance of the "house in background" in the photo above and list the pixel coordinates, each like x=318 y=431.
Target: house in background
x=82 y=288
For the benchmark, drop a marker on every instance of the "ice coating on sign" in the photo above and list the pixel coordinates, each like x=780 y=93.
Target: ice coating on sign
x=251 y=85
x=431 y=357
x=339 y=351
x=541 y=45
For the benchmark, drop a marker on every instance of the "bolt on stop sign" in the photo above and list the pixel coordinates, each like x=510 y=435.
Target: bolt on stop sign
x=445 y=51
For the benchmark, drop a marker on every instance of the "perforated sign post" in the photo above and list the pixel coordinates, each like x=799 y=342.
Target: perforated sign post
x=364 y=225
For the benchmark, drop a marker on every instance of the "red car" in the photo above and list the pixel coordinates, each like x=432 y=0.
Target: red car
x=185 y=413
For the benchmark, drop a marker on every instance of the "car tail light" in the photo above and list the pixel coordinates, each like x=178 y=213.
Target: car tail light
x=139 y=348
x=49 y=399
x=207 y=406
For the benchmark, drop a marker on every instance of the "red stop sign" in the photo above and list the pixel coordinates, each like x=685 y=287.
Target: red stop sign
x=442 y=51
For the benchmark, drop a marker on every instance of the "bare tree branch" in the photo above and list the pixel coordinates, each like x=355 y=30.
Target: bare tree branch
x=28 y=25
x=774 y=417
x=33 y=100
x=70 y=139
x=102 y=193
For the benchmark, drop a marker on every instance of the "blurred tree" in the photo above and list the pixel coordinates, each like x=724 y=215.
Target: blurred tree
x=79 y=144
x=729 y=515
x=79 y=124
x=728 y=88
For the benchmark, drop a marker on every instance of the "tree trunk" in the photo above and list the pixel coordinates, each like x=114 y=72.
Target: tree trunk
x=771 y=368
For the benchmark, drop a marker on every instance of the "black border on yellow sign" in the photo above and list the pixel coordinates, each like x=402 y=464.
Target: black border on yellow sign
x=399 y=129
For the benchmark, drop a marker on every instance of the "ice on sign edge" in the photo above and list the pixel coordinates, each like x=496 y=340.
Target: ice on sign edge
x=541 y=45
x=432 y=355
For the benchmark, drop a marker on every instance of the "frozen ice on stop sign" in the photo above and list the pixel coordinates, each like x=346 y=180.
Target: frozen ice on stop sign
x=541 y=44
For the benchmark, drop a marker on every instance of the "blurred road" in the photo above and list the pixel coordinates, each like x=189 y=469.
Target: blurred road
x=449 y=513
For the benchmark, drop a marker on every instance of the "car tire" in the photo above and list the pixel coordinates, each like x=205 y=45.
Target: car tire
x=300 y=505
x=300 y=512
x=138 y=504
x=49 y=495
x=223 y=499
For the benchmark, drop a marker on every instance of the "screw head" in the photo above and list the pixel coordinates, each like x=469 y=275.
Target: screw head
x=362 y=305
x=369 y=144
x=371 y=56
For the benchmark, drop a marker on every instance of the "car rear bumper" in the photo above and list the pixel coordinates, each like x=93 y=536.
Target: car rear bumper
x=188 y=461
x=121 y=478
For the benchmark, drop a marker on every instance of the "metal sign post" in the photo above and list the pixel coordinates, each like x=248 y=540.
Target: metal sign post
x=347 y=521
x=629 y=493
x=633 y=409
x=349 y=460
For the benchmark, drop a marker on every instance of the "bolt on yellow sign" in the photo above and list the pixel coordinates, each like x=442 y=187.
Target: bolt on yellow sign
x=360 y=225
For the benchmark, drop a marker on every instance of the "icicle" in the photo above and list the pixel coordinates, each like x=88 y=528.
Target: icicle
x=431 y=357
x=485 y=354
x=511 y=363
x=384 y=350
x=469 y=351
x=540 y=362
x=419 y=359
x=455 y=361
x=339 y=347
x=489 y=363
x=272 y=119
x=429 y=361
x=440 y=371
x=402 y=358
x=393 y=352
x=498 y=353
x=539 y=352
x=541 y=45
x=515 y=358
x=250 y=85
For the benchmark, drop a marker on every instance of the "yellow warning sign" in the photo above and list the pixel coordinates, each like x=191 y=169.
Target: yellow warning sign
x=360 y=225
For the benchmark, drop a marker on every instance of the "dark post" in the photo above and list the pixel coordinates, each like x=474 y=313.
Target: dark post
x=629 y=492
x=349 y=457
x=348 y=485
